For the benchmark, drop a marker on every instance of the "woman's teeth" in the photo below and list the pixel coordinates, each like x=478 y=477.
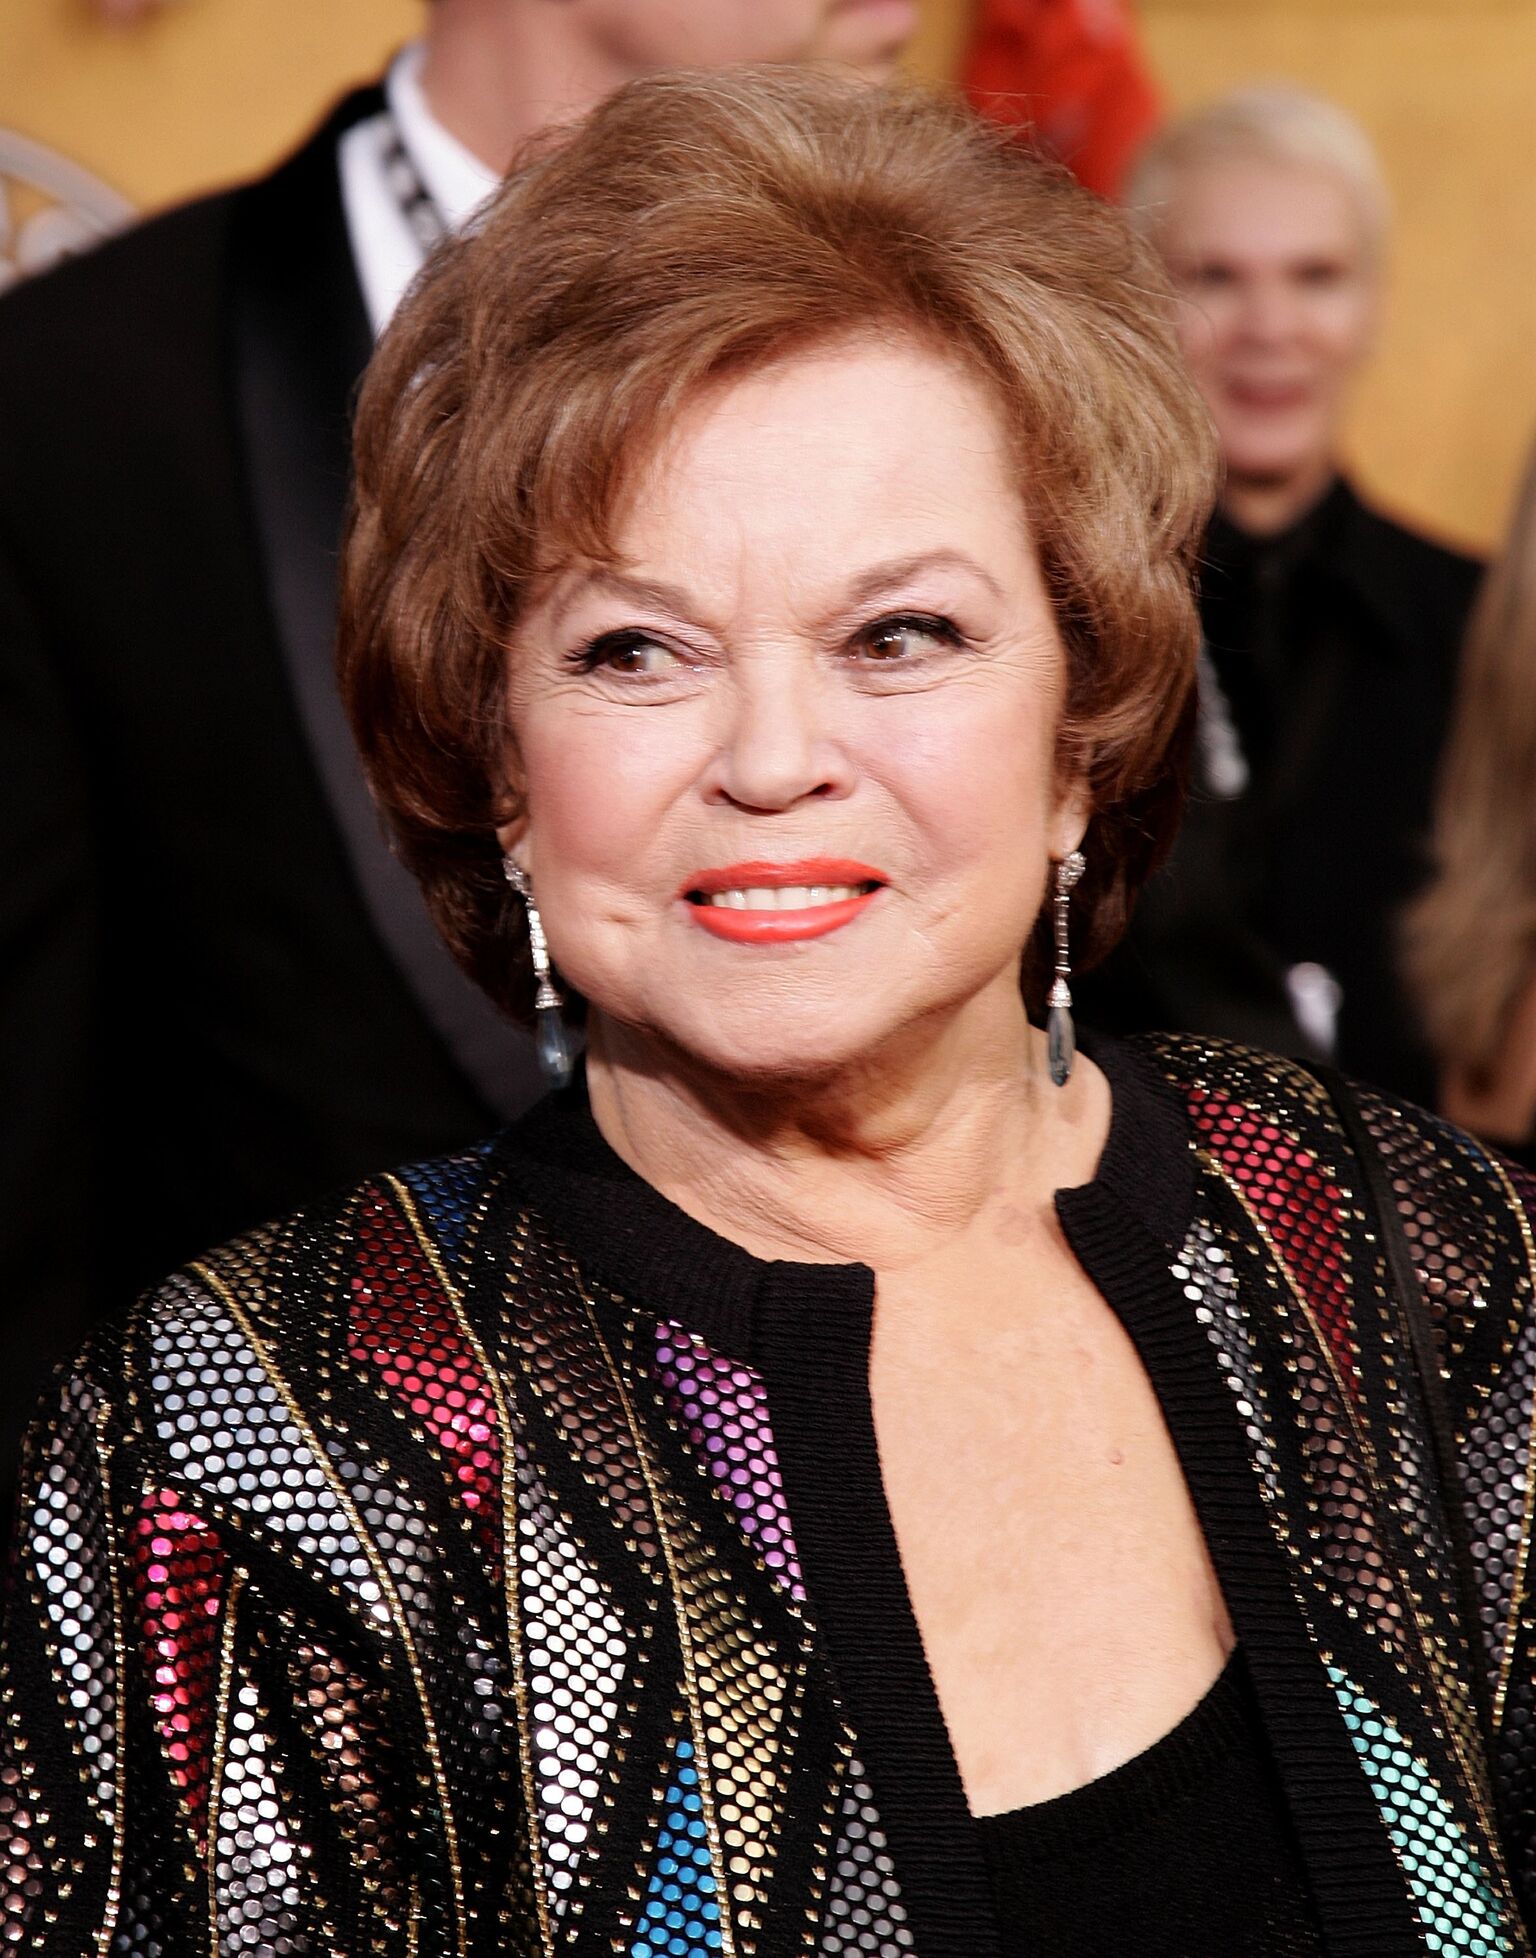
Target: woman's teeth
x=785 y=897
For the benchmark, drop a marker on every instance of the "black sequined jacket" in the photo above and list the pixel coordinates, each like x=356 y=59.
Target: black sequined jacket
x=495 y=1561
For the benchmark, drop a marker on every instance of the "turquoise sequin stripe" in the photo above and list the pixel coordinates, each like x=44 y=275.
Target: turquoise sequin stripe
x=1457 y=1905
x=681 y=1914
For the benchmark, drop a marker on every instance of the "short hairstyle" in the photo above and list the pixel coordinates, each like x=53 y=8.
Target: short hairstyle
x=700 y=225
x=1273 y=123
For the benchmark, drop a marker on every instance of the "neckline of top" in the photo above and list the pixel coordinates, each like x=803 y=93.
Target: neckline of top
x=1175 y=1765
x=625 y=1233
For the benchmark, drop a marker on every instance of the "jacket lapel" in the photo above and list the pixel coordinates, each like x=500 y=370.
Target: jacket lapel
x=299 y=341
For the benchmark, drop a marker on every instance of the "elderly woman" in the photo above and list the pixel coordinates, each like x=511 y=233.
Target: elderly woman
x=841 y=1477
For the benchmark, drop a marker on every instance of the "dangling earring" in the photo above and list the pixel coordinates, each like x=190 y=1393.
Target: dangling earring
x=550 y=1040
x=1060 y=1034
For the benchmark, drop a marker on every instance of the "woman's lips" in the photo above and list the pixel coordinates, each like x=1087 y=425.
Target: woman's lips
x=1269 y=397
x=772 y=903
x=778 y=927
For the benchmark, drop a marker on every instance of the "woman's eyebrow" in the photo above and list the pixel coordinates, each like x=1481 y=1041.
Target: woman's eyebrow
x=896 y=571
x=662 y=595
x=654 y=592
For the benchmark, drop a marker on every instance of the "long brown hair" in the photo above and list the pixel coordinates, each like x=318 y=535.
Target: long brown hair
x=1471 y=937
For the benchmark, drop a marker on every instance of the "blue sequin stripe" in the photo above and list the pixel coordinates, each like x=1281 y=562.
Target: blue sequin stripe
x=444 y=1192
x=680 y=1917
x=1457 y=1905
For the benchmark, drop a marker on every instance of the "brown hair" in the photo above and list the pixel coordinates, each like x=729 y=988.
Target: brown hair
x=1471 y=938
x=697 y=224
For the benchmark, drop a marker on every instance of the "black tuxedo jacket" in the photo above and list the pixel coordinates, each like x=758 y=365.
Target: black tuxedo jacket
x=214 y=978
x=1343 y=723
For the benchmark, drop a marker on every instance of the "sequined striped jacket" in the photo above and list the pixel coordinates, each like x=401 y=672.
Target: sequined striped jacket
x=494 y=1560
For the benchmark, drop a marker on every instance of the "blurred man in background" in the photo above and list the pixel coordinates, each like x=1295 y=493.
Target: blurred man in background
x=1331 y=631
x=172 y=484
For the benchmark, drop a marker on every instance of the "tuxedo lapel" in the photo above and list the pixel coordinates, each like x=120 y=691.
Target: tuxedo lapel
x=299 y=342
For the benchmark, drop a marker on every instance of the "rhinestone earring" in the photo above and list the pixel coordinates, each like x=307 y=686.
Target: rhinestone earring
x=1060 y=1033
x=550 y=1040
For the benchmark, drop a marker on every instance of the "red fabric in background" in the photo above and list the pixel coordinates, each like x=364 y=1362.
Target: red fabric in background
x=1071 y=71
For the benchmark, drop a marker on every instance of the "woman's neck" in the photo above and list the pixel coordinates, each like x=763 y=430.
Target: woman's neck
x=1264 y=506
x=884 y=1162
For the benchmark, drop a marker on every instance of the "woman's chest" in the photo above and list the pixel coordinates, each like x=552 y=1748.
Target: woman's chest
x=1066 y=1600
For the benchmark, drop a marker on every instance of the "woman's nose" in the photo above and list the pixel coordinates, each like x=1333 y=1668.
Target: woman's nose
x=1269 y=313
x=780 y=743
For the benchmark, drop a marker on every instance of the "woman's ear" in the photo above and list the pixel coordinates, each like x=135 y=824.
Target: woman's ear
x=1072 y=812
x=512 y=807
x=512 y=840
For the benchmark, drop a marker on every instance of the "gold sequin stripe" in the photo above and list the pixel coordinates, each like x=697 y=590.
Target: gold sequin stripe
x=413 y=1921
x=509 y=1555
x=399 y=1623
x=220 y=1748
x=703 y=1758
x=114 y=1899
x=1303 y=1304
x=1523 y=1550
x=822 y=1872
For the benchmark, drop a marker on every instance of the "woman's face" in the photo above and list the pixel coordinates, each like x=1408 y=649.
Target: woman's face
x=789 y=763
x=1283 y=297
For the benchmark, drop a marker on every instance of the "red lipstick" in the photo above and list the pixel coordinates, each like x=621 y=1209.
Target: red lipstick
x=744 y=922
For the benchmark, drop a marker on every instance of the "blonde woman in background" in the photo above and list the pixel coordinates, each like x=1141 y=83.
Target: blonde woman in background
x=1472 y=936
x=1332 y=629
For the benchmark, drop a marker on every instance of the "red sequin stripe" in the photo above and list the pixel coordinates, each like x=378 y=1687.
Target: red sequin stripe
x=402 y=1325
x=1298 y=1203
x=179 y=1569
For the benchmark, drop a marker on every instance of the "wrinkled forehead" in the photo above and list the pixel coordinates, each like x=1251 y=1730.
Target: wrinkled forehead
x=796 y=474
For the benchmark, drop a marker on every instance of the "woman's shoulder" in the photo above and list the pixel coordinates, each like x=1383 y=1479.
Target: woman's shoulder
x=382 y=1267
x=1245 y=1104
x=1292 y=1140
x=406 y=1240
x=242 y=1373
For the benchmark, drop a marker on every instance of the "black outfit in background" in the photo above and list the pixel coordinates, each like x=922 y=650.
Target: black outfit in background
x=1182 y=1852
x=1334 y=650
x=213 y=975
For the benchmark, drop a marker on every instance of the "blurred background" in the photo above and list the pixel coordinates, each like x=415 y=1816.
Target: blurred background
x=104 y=108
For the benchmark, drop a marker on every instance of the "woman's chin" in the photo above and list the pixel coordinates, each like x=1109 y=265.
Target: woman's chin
x=785 y=1047
x=787 y=1057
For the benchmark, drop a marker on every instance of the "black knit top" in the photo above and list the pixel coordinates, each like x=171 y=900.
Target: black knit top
x=494 y=1560
x=1186 y=1849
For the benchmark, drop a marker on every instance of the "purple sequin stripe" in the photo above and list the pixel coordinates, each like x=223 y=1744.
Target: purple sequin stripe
x=726 y=1411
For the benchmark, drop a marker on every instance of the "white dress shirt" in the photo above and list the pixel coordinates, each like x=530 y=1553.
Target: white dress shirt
x=384 y=249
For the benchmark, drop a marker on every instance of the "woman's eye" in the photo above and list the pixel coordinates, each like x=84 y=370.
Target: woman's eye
x=1320 y=275
x=628 y=652
x=889 y=642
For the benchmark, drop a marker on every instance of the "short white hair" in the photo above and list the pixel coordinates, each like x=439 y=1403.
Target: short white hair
x=1274 y=123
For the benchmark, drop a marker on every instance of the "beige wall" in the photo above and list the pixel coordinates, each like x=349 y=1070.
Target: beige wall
x=216 y=88
x=1448 y=90
x=208 y=91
